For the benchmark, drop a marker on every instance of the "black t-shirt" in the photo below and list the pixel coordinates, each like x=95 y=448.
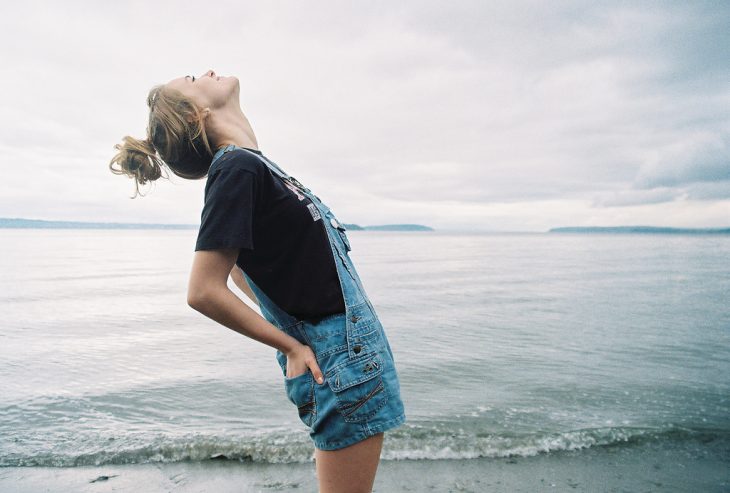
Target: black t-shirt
x=282 y=241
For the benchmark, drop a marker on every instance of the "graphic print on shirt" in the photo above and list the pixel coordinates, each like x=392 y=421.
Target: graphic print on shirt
x=314 y=211
x=311 y=207
x=294 y=189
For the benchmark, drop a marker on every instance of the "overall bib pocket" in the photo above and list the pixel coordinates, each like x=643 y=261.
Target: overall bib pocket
x=300 y=391
x=358 y=387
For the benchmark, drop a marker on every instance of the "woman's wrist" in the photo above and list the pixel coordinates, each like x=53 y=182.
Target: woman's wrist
x=229 y=310
x=288 y=344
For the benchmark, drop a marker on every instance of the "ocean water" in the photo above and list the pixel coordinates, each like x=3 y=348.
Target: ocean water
x=506 y=344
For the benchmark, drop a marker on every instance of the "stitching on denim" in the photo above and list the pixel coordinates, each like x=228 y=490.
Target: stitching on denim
x=369 y=431
x=350 y=409
x=356 y=360
x=342 y=348
x=358 y=419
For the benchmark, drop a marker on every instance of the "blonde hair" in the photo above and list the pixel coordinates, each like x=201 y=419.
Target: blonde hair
x=176 y=138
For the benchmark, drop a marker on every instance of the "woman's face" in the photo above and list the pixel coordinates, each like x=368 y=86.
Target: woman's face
x=208 y=90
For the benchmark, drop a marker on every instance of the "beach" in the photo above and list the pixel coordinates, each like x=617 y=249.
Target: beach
x=637 y=468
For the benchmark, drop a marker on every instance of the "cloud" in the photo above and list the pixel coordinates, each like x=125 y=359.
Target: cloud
x=624 y=198
x=689 y=161
x=469 y=113
x=710 y=191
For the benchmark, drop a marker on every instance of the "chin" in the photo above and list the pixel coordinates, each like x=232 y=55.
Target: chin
x=234 y=88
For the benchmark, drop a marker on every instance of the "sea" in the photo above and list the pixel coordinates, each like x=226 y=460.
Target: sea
x=506 y=344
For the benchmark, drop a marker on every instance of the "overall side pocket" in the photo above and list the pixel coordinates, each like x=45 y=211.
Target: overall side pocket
x=300 y=391
x=358 y=387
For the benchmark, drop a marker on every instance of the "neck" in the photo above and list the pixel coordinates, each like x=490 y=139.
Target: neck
x=230 y=126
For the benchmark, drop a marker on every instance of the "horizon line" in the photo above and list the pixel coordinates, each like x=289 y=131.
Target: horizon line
x=137 y=225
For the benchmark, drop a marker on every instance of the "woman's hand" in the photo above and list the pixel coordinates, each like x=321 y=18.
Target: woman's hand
x=301 y=358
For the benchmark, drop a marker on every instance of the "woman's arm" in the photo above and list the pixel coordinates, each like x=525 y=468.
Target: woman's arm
x=240 y=281
x=208 y=293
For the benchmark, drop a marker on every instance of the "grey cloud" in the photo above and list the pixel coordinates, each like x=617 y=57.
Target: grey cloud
x=705 y=163
x=709 y=191
x=625 y=198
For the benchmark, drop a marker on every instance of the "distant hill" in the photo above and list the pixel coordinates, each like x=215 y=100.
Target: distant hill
x=20 y=223
x=638 y=229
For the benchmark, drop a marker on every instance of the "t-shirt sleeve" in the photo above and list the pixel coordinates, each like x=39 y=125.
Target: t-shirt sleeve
x=228 y=211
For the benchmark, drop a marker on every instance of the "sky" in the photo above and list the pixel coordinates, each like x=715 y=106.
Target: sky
x=459 y=115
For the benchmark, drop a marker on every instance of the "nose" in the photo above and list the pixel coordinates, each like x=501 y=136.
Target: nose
x=210 y=73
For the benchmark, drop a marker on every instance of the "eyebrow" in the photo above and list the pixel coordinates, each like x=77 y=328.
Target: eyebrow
x=186 y=76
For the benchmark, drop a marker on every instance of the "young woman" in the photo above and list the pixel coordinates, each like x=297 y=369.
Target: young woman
x=288 y=252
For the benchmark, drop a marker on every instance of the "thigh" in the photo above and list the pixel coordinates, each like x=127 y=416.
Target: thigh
x=351 y=469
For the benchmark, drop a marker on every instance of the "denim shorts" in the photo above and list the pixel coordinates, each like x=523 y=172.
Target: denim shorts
x=360 y=395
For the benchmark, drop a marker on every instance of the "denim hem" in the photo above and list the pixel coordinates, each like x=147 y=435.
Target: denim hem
x=368 y=431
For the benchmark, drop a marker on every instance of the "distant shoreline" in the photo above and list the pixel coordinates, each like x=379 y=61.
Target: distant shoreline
x=638 y=229
x=20 y=223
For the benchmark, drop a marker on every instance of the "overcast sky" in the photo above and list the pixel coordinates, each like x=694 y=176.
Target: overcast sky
x=498 y=116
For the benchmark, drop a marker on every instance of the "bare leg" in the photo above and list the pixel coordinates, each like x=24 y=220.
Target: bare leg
x=350 y=469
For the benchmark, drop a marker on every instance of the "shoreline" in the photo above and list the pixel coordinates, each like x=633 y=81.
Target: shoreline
x=644 y=467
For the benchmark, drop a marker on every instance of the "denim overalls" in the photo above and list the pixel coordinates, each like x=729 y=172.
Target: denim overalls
x=360 y=395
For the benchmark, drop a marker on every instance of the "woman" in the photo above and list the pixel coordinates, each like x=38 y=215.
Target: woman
x=288 y=252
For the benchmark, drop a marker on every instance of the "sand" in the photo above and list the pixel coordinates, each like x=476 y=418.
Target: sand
x=701 y=467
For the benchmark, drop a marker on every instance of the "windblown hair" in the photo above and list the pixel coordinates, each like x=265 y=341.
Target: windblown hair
x=176 y=138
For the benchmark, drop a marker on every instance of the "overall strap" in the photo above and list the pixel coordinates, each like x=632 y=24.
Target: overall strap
x=273 y=167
